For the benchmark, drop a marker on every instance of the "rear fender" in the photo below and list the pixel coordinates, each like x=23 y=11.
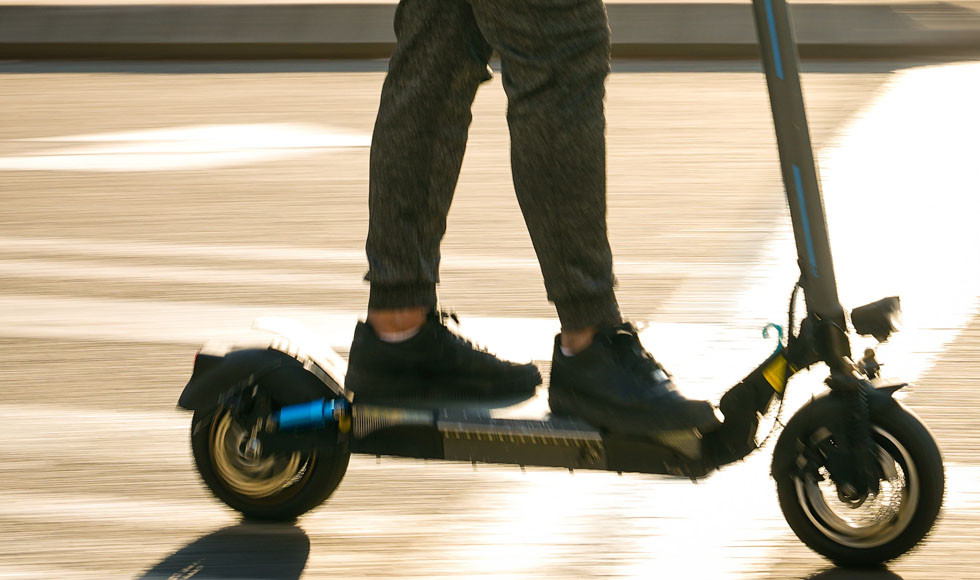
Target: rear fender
x=214 y=375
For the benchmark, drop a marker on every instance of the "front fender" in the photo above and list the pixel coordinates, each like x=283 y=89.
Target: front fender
x=214 y=375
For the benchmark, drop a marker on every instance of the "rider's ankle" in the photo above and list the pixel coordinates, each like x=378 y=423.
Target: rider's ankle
x=397 y=324
x=575 y=341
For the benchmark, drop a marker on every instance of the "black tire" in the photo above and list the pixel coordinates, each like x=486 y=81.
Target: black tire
x=903 y=511
x=271 y=486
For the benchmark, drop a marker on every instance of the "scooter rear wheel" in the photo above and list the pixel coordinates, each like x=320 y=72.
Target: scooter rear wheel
x=880 y=526
x=276 y=486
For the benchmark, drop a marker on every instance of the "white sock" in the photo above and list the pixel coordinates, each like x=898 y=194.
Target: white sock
x=399 y=336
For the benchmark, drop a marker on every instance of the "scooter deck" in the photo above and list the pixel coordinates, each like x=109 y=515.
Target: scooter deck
x=481 y=435
x=519 y=434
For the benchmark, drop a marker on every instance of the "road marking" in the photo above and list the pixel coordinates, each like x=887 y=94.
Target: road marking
x=152 y=321
x=682 y=346
x=89 y=507
x=318 y=256
x=183 y=148
x=901 y=199
x=97 y=248
x=904 y=197
x=74 y=270
x=34 y=571
x=47 y=434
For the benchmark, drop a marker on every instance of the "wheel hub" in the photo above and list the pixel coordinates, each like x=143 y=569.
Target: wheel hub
x=863 y=520
x=239 y=461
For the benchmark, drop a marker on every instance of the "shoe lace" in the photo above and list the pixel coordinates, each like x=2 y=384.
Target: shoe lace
x=625 y=340
x=444 y=316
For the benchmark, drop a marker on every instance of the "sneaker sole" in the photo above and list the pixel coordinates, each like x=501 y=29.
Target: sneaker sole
x=700 y=415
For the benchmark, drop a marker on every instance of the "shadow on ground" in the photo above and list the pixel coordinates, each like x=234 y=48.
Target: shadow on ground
x=856 y=574
x=246 y=550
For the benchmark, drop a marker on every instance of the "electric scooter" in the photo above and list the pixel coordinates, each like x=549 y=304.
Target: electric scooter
x=858 y=477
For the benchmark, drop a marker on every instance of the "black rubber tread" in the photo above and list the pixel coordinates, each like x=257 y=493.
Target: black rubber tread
x=904 y=426
x=321 y=479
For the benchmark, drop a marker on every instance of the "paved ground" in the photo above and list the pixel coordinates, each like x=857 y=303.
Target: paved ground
x=150 y=206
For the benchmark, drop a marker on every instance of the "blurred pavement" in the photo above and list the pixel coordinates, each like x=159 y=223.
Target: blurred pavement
x=257 y=29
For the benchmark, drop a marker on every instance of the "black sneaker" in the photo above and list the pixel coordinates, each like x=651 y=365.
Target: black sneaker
x=434 y=366
x=616 y=385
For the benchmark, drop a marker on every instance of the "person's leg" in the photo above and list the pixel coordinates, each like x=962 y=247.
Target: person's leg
x=555 y=58
x=418 y=144
x=405 y=351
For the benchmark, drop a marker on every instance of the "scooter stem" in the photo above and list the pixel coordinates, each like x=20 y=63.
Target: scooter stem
x=780 y=61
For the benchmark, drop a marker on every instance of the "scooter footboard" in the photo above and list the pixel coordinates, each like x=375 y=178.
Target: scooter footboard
x=555 y=442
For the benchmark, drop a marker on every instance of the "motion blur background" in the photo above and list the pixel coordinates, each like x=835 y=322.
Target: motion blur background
x=150 y=205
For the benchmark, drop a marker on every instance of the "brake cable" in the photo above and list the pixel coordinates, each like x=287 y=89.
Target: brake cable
x=790 y=337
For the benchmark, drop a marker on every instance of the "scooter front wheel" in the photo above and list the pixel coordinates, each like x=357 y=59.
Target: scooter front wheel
x=879 y=526
x=277 y=486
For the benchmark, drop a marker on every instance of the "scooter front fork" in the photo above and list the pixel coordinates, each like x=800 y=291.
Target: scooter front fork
x=853 y=466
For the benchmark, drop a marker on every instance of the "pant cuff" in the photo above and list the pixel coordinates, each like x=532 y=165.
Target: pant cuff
x=585 y=311
x=402 y=295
